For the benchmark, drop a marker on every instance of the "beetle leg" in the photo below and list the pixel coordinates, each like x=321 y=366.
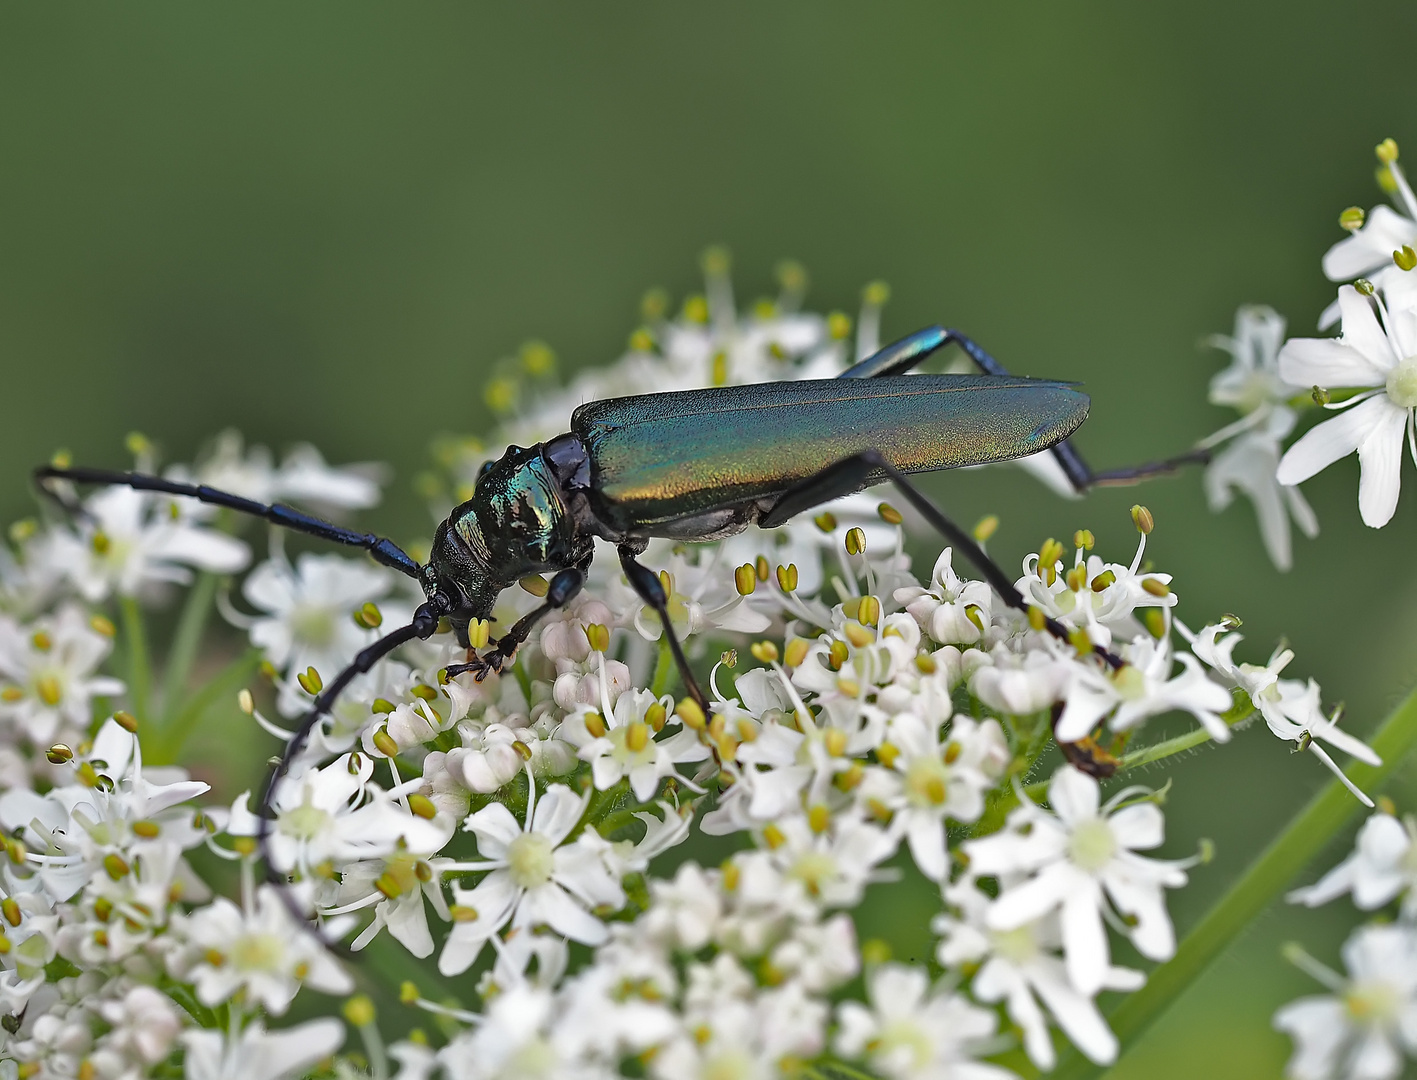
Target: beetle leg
x=853 y=473
x=900 y=356
x=382 y=550
x=646 y=584
x=561 y=591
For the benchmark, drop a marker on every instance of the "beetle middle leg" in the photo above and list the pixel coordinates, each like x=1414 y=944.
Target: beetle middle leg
x=647 y=585
x=860 y=470
x=901 y=356
x=560 y=592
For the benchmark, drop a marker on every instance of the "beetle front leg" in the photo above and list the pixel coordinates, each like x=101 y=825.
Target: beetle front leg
x=647 y=586
x=561 y=591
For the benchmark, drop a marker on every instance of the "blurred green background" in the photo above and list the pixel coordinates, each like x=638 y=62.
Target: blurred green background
x=326 y=222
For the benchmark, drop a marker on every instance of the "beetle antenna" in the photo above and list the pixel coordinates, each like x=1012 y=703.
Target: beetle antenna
x=424 y=624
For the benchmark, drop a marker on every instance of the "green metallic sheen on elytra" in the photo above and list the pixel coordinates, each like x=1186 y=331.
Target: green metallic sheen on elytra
x=658 y=457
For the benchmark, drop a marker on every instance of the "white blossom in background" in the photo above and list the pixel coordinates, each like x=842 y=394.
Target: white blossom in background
x=1252 y=445
x=258 y=1054
x=1382 y=868
x=303 y=476
x=50 y=672
x=1367 y=1025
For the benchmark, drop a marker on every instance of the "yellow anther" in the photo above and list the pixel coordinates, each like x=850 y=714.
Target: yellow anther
x=762 y=567
x=787 y=577
x=838 y=655
x=103 y=625
x=1387 y=806
x=126 y=720
x=382 y=706
x=49 y=690
x=851 y=778
x=310 y=681
x=855 y=541
x=16 y=850
x=1079 y=640
x=848 y=687
x=359 y=1010
x=1404 y=257
x=875 y=293
x=422 y=806
x=116 y=866
x=839 y=325
x=696 y=308
x=389 y=885
x=689 y=712
x=500 y=394
x=12 y=694
x=715 y=261
x=462 y=912
x=641 y=340
x=11 y=910
x=819 y=818
x=1352 y=219
x=408 y=992
x=537 y=358
x=1142 y=519
x=858 y=635
x=522 y=749
x=773 y=837
x=728 y=658
x=975 y=614
x=1366 y=287
x=22 y=530
x=636 y=736
x=368 y=616
x=1386 y=151
x=952 y=752
x=42 y=641
x=868 y=612
x=61 y=459
x=1104 y=581
x=835 y=741
x=1049 y=555
x=746 y=579
x=986 y=527
x=102 y=909
x=747 y=730
x=796 y=652
x=100 y=543
x=764 y=307
x=1154 y=619
x=1320 y=395
x=1076 y=578
x=654 y=305
x=925 y=664
x=764 y=651
x=245 y=702
x=655 y=716
x=874 y=952
x=534 y=584
x=424 y=692
x=385 y=743
x=1154 y=587
x=1084 y=539
x=146 y=829
x=887 y=753
x=479 y=633
x=826 y=521
x=598 y=635
x=422 y=871
x=244 y=845
x=879 y=810
x=889 y=514
x=58 y=754
x=666 y=582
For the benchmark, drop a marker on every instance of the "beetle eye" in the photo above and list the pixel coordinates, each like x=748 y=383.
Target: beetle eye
x=482 y=472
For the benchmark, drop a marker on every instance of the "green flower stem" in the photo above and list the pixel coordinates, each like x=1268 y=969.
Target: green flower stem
x=135 y=638
x=1305 y=836
x=185 y=644
x=663 y=668
x=165 y=746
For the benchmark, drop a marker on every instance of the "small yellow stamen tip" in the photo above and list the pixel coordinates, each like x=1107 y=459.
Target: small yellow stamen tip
x=654 y=305
x=58 y=754
x=728 y=658
x=642 y=340
x=858 y=635
x=422 y=806
x=310 y=681
x=926 y=665
x=1404 y=257
x=1320 y=395
x=368 y=616
x=126 y=720
x=49 y=690
x=1104 y=581
x=594 y=725
x=1386 y=151
x=598 y=635
x=359 y=1010
x=655 y=716
x=385 y=743
x=1352 y=219
x=764 y=651
x=787 y=577
x=103 y=625
x=408 y=992
x=1152 y=587
x=819 y=818
x=826 y=521
x=796 y=652
x=1084 y=539
x=1142 y=519
x=689 y=712
x=839 y=325
x=745 y=578
x=875 y=294
x=696 y=309
x=762 y=567
x=868 y=612
x=856 y=541
x=835 y=741
x=773 y=837
x=986 y=527
x=479 y=633
x=146 y=829
x=245 y=702
x=462 y=913
x=636 y=736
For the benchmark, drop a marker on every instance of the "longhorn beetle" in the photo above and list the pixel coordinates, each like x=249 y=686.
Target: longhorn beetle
x=691 y=465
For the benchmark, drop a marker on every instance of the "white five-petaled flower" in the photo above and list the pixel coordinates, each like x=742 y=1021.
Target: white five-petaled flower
x=536 y=877
x=128 y=543
x=1368 y=252
x=911 y=1032
x=258 y=1054
x=620 y=742
x=1364 y=1027
x=50 y=668
x=1377 y=355
x=302 y=477
x=264 y=953
x=1383 y=866
x=1077 y=860
x=1252 y=385
x=1021 y=967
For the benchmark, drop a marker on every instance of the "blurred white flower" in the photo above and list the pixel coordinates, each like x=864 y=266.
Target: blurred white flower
x=50 y=669
x=1383 y=867
x=258 y=1054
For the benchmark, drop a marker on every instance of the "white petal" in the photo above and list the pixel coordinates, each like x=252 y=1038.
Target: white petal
x=1327 y=363
x=1085 y=941
x=1330 y=440
x=1073 y=795
x=1363 y=332
x=1139 y=827
x=1381 y=457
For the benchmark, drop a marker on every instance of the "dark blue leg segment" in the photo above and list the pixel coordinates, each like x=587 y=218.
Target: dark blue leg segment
x=382 y=550
x=562 y=590
x=647 y=586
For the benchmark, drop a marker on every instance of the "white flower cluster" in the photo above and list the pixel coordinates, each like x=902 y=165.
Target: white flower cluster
x=1367 y=375
x=517 y=834
x=1366 y=1026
